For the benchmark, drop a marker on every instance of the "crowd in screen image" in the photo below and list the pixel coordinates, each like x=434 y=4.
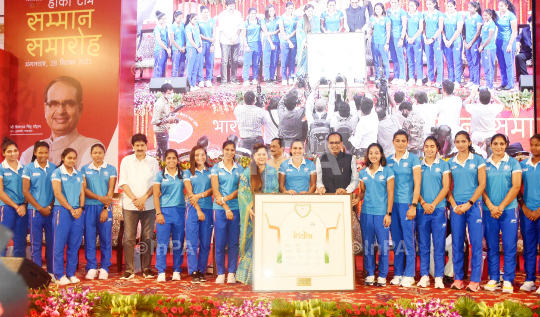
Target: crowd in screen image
x=406 y=37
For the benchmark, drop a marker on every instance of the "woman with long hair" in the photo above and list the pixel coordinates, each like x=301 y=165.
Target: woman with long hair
x=12 y=201
x=177 y=35
x=68 y=217
x=453 y=43
x=377 y=191
x=432 y=39
x=37 y=189
x=408 y=173
x=398 y=17
x=162 y=50
x=488 y=46
x=199 y=218
x=507 y=31
x=380 y=39
x=99 y=179
x=170 y=215
x=271 y=46
x=473 y=30
x=251 y=36
x=297 y=175
x=308 y=23
x=287 y=27
x=332 y=20
x=469 y=181
x=207 y=26
x=258 y=177
x=503 y=182
x=415 y=28
x=194 y=51
x=432 y=212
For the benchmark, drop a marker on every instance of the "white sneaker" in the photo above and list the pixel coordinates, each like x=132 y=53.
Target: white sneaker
x=103 y=275
x=246 y=83
x=92 y=273
x=439 y=283
x=419 y=83
x=208 y=83
x=74 y=280
x=410 y=82
x=396 y=280
x=201 y=84
x=381 y=282
x=429 y=84
x=401 y=82
x=528 y=286
x=176 y=276
x=407 y=282
x=491 y=286
x=161 y=277
x=438 y=85
x=195 y=88
x=220 y=279
x=474 y=87
x=457 y=85
x=231 y=279
x=284 y=82
x=537 y=291
x=63 y=281
x=424 y=281
x=254 y=82
x=53 y=279
x=369 y=280
x=508 y=287
x=469 y=84
x=394 y=81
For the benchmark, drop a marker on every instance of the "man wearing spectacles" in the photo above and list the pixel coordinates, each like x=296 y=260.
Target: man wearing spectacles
x=63 y=108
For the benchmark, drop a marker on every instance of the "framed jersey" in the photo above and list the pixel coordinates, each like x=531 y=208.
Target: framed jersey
x=303 y=243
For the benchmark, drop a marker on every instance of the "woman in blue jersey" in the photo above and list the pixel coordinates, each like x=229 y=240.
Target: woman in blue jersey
x=432 y=212
x=251 y=36
x=68 y=217
x=469 y=181
x=297 y=175
x=377 y=191
x=194 y=51
x=177 y=35
x=408 y=173
x=380 y=39
x=398 y=17
x=488 y=48
x=271 y=46
x=453 y=43
x=308 y=23
x=225 y=180
x=433 y=19
x=161 y=48
x=37 y=189
x=332 y=20
x=415 y=28
x=207 y=27
x=473 y=30
x=170 y=215
x=12 y=202
x=530 y=213
x=287 y=27
x=506 y=43
x=503 y=182
x=199 y=218
x=99 y=181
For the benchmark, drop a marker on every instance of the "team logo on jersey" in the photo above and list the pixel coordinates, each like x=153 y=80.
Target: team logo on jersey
x=89 y=172
x=437 y=170
x=472 y=166
x=64 y=179
x=306 y=169
x=312 y=224
x=391 y=164
x=364 y=178
x=506 y=167
x=8 y=174
x=289 y=170
x=488 y=168
x=78 y=180
x=221 y=174
x=381 y=177
x=106 y=173
x=303 y=235
x=525 y=169
x=165 y=179
x=36 y=174
x=453 y=167
x=405 y=164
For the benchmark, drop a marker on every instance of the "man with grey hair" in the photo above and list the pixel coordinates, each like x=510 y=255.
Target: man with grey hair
x=320 y=113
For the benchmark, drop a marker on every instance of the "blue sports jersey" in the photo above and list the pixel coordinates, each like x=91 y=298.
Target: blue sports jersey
x=379 y=29
x=272 y=26
x=253 y=31
x=465 y=176
x=395 y=17
x=499 y=180
x=297 y=179
x=228 y=182
x=432 y=22
x=71 y=185
x=289 y=25
x=403 y=171
x=450 y=25
x=485 y=35
x=172 y=189
x=206 y=28
x=376 y=196
x=162 y=33
x=413 y=23
x=504 y=25
x=40 y=183
x=193 y=31
x=179 y=33
x=12 y=180
x=432 y=181
x=200 y=182
x=531 y=184
x=332 y=22
x=97 y=180
x=471 y=24
x=315 y=24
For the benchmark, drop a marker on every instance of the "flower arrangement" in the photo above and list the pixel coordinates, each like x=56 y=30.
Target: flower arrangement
x=66 y=302
x=433 y=307
x=244 y=161
x=248 y=308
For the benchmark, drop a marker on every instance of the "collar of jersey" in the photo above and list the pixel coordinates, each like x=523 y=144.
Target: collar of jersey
x=291 y=163
x=93 y=167
x=368 y=171
x=6 y=166
x=505 y=158
x=455 y=160
x=200 y=171
x=304 y=216
x=167 y=172
x=404 y=157
x=436 y=161
x=222 y=166
x=530 y=163
x=36 y=165
x=63 y=170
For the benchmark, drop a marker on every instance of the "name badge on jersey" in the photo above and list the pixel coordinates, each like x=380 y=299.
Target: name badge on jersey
x=391 y=164
x=472 y=166
x=506 y=167
x=165 y=179
x=488 y=168
x=381 y=177
x=288 y=170
x=453 y=167
x=364 y=178
x=64 y=179
x=193 y=176
x=221 y=174
x=36 y=174
x=525 y=169
x=89 y=172
x=8 y=174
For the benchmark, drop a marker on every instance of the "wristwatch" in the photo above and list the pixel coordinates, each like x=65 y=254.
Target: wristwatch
x=414 y=205
x=471 y=202
x=389 y=213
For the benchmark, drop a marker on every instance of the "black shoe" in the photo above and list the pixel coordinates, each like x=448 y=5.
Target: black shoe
x=195 y=278
x=501 y=87
x=147 y=273
x=127 y=276
x=448 y=280
x=505 y=88
x=202 y=279
x=235 y=82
